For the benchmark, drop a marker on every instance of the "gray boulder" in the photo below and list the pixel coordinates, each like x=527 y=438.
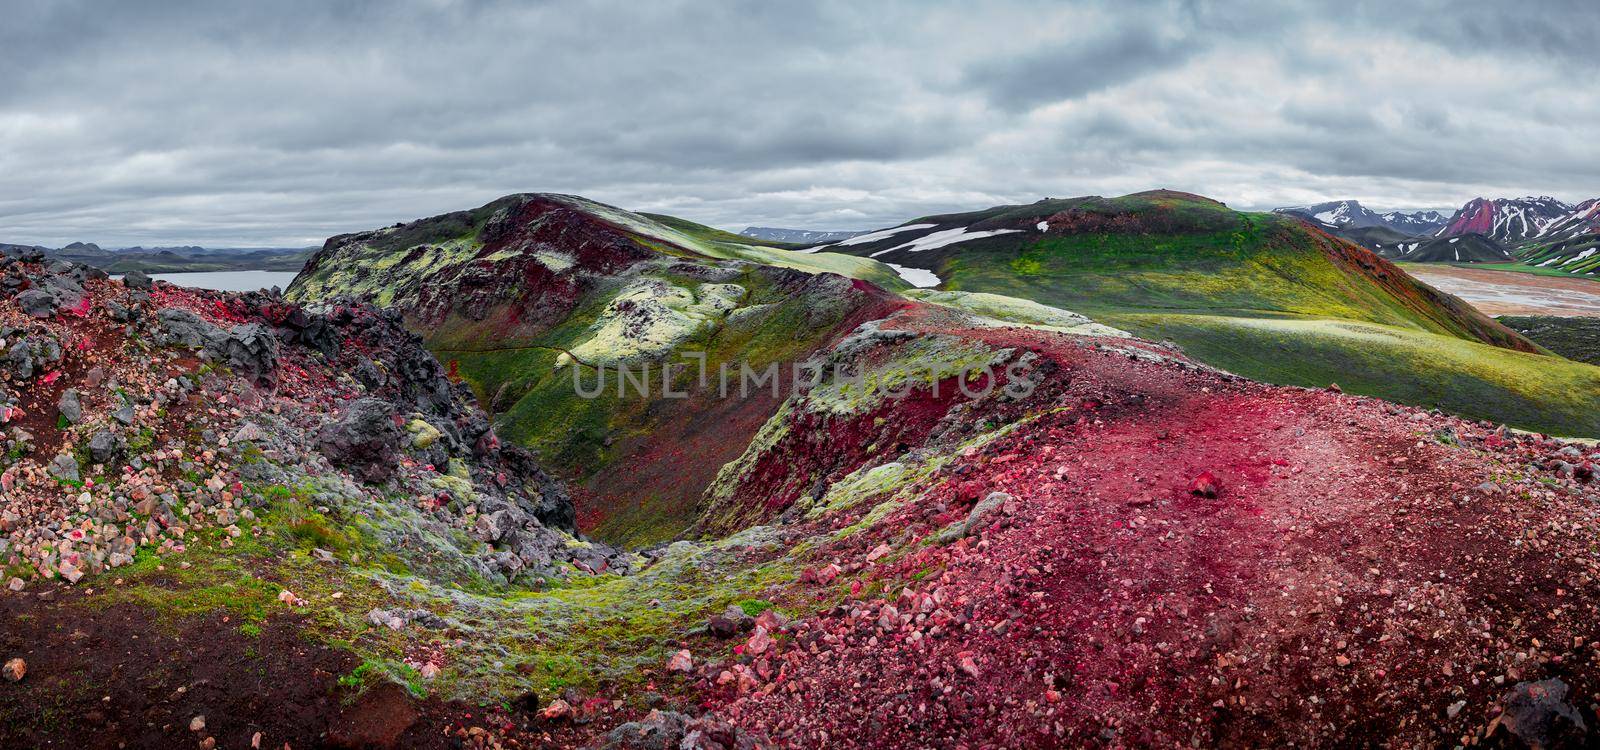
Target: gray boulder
x=250 y=349
x=69 y=406
x=136 y=280
x=65 y=467
x=20 y=358
x=104 y=446
x=178 y=327
x=37 y=303
x=975 y=519
x=364 y=439
x=1538 y=714
x=670 y=730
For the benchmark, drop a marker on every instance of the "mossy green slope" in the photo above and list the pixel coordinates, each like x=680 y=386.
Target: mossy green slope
x=1264 y=296
x=524 y=298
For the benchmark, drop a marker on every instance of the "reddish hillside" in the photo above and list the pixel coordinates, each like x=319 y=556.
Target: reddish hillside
x=1184 y=558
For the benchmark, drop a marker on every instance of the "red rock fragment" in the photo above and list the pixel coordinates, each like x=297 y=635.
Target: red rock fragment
x=1205 y=485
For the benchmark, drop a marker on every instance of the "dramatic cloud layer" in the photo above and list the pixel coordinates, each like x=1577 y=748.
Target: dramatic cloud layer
x=281 y=123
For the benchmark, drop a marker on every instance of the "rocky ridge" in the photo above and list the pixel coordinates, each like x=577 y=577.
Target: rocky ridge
x=136 y=413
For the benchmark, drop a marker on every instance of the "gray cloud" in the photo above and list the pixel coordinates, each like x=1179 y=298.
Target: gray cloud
x=282 y=123
x=1071 y=68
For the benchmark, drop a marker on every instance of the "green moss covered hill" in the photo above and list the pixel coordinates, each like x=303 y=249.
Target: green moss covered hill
x=532 y=296
x=1261 y=295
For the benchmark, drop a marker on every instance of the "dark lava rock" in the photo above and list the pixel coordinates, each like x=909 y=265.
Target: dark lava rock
x=365 y=439
x=104 y=446
x=1538 y=714
x=136 y=280
x=250 y=349
x=69 y=406
x=20 y=360
x=37 y=303
x=180 y=327
x=670 y=730
x=722 y=627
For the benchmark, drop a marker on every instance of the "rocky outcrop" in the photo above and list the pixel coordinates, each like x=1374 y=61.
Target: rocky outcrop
x=250 y=391
x=365 y=439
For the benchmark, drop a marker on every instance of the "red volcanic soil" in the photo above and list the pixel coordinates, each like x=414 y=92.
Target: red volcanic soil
x=1350 y=584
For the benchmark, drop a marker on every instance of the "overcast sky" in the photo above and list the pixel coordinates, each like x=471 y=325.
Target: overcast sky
x=285 y=122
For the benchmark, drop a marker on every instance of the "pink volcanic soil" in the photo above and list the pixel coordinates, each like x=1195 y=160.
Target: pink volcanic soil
x=1480 y=221
x=1348 y=585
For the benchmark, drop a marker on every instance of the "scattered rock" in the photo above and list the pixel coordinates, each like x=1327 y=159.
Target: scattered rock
x=558 y=709
x=65 y=467
x=1205 y=485
x=70 y=408
x=1537 y=713
x=103 y=446
x=975 y=519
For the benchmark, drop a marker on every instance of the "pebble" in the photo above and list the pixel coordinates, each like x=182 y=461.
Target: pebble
x=14 y=670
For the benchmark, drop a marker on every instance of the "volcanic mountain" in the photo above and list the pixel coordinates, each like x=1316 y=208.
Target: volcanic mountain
x=1509 y=221
x=1264 y=295
x=527 y=296
x=1583 y=219
x=986 y=523
x=1349 y=214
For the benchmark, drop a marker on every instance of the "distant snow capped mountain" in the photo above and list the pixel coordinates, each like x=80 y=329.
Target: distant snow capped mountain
x=1349 y=214
x=1414 y=222
x=1337 y=214
x=1507 y=220
x=1583 y=219
x=797 y=236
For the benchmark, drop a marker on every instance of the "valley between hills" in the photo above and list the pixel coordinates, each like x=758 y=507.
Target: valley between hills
x=1135 y=471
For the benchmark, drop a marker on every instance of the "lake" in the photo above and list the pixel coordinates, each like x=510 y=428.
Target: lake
x=229 y=281
x=1497 y=292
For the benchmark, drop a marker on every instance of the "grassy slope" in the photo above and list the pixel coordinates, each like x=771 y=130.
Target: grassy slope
x=1254 y=294
x=1512 y=267
x=686 y=440
x=1567 y=251
x=512 y=366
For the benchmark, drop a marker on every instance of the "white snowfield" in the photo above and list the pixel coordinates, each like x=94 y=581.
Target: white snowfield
x=920 y=278
x=882 y=234
x=943 y=238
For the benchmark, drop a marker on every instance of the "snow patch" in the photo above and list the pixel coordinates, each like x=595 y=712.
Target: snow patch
x=870 y=237
x=1580 y=256
x=1042 y=226
x=920 y=278
x=944 y=237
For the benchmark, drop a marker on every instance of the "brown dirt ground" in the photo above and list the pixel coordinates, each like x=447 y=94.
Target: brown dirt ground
x=120 y=678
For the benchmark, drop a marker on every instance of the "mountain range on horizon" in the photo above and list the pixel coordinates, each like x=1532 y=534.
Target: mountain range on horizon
x=425 y=452
x=174 y=259
x=1537 y=231
x=1508 y=220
